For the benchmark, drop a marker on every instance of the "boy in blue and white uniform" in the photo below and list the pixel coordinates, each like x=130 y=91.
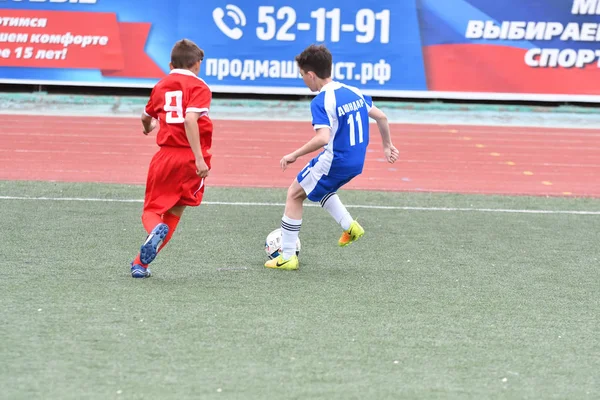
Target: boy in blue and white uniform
x=340 y=117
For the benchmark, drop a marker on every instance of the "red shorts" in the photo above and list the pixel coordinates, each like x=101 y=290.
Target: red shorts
x=172 y=180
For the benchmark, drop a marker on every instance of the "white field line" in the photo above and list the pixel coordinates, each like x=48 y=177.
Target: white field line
x=357 y=206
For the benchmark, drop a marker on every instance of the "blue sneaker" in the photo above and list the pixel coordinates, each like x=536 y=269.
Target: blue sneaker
x=137 y=271
x=150 y=247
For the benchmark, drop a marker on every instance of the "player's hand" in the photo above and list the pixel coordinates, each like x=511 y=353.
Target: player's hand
x=201 y=169
x=152 y=126
x=287 y=159
x=391 y=154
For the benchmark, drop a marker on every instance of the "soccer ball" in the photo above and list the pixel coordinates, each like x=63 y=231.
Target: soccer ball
x=273 y=244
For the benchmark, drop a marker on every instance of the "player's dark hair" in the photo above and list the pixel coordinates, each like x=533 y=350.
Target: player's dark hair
x=316 y=59
x=185 y=54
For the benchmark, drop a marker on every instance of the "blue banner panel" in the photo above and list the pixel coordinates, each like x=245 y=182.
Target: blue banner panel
x=249 y=46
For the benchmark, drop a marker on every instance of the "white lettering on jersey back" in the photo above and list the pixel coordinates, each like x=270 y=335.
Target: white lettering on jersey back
x=350 y=107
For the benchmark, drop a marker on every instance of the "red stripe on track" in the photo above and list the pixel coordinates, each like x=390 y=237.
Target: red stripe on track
x=434 y=158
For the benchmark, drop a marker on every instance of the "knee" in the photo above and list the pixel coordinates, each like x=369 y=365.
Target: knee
x=295 y=193
x=291 y=195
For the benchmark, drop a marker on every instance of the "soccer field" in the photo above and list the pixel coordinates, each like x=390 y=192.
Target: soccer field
x=446 y=296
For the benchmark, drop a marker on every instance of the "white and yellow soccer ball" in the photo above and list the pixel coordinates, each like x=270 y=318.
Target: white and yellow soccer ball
x=273 y=244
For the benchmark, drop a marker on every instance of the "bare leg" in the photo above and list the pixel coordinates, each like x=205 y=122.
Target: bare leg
x=292 y=219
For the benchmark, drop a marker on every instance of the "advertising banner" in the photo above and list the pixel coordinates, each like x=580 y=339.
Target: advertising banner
x=462 y=49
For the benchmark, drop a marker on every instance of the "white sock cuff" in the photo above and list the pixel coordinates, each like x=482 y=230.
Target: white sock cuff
x=328 y=196
x=290 y=221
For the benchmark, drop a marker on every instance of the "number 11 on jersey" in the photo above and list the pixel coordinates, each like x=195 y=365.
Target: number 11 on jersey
x=353 y=130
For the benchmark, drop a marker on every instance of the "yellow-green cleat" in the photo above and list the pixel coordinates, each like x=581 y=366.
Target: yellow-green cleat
x=351 y=235
x=280 y=263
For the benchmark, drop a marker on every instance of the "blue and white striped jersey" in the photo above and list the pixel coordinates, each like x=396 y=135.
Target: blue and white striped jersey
x=345 y=110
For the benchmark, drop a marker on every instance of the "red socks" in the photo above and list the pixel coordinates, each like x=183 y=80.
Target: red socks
x=171 y=220
x=150 y=220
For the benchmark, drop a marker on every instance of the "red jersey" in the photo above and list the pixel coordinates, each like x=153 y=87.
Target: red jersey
x=173 y=96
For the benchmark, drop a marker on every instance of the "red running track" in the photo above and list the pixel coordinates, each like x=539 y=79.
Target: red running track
x=433 y=158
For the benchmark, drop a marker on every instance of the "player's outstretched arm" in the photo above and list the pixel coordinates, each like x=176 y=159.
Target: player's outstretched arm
x=148 y=123
x=391 y=152
x=192 y=131
x=315 y=143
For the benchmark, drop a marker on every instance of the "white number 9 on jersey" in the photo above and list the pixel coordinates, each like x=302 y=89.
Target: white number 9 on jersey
x=174 y=111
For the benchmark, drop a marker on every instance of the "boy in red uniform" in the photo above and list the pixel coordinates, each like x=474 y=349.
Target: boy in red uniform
x=180 y=102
